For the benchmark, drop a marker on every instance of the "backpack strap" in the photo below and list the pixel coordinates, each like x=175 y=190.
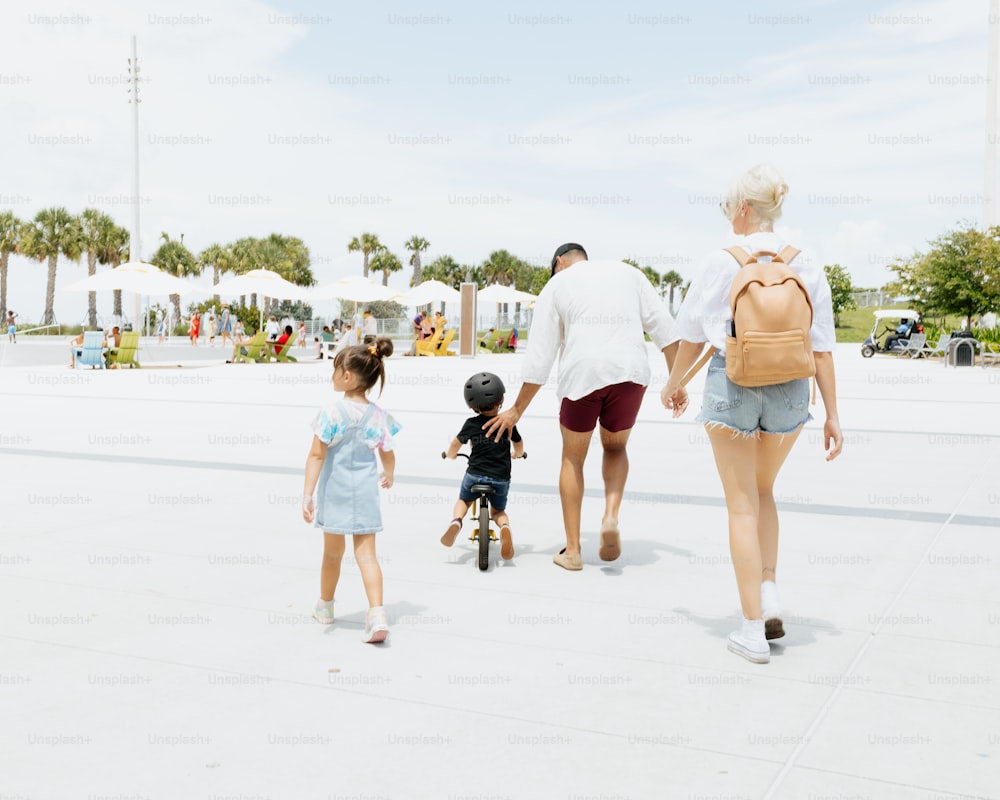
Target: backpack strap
x=788 y=253
x=739 y=254
x=700 y=363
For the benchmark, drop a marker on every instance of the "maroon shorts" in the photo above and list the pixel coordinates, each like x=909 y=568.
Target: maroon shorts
x=615 y=406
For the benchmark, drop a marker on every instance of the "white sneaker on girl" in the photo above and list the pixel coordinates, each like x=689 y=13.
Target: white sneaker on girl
x=750 y=643
x=376 y=625
x=323 y=613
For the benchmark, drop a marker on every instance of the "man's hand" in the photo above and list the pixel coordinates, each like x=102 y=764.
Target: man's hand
x=674 y=397
x=502 y=424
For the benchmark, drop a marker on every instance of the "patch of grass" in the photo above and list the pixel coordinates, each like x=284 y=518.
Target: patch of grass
x=855 y=325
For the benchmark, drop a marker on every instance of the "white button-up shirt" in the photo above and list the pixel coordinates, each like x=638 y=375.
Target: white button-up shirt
x=592 y=315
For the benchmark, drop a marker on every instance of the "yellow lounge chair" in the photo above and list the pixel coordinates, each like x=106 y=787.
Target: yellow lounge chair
x=438 y=346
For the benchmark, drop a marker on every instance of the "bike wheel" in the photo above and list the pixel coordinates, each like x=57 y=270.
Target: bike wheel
x=484 y=535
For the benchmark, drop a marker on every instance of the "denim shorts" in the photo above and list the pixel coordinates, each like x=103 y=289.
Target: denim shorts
x=780 y=408
x=498 y=500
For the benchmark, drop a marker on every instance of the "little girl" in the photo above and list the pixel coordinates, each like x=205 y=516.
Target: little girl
x=342 y=462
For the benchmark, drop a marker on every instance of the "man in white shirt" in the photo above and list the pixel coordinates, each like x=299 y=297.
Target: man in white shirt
x=592 y=315
x=369 y=328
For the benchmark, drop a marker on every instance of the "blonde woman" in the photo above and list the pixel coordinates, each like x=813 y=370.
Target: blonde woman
x=752 y=430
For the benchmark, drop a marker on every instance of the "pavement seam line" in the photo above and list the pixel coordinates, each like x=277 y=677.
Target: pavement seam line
x=839 y=688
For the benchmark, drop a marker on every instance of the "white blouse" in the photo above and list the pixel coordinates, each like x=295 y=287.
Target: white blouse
x=705 y=311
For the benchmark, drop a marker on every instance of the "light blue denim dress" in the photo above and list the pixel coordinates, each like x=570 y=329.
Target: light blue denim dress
x=347 y=493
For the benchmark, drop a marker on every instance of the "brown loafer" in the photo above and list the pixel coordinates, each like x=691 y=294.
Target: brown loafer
x=506 y=543
x=450 y=535
x=568 y=561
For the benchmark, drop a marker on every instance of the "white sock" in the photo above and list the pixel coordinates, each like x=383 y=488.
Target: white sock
x=753 y=628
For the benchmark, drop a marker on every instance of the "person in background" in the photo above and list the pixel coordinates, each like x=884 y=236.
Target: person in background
x=194 y=328
x=225 y=324
x=370 y=327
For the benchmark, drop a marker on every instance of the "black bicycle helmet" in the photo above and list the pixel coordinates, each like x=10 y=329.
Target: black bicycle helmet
x=483 y=390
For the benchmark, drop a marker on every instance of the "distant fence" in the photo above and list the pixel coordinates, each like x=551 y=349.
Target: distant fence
x=402 y=328
x=871 y=298
x=57 y=326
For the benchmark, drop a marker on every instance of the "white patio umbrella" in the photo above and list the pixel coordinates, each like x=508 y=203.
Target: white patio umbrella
x=504 y=294
x=354 y=287
x=264 y=282
x=429 y=292
x=138 y=277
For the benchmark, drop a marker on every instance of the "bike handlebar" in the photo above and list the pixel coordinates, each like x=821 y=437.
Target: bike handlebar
x=444 y=454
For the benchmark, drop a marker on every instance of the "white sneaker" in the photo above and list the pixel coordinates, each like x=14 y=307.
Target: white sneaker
x=771 y=606
x=323 y=613
x=376 y=625
x=750 y=643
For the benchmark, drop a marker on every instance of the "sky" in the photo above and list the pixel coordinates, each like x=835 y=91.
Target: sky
x=488 y=126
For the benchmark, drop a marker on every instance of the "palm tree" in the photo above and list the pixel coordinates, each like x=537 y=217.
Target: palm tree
x=10 y=235
x=671 y=280
x=368 y=244
x=95 y=230
x=217 y=257
x=174 y=257
x=416 y=245
x=52 y=233
x=449 y=271
x=116 y=248
x=501 y=267
x=386 y=263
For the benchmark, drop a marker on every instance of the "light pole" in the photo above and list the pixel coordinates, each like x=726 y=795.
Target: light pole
x=135 y=247
x=989 y=194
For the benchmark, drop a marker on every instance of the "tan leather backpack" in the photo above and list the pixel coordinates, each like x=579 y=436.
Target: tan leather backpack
x=768 y=341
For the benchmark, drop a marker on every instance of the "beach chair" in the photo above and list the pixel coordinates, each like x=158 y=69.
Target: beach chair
x=914 y=346
x=990 y=353
x=490 y=341
x=255 y=350
x=426 y=347
x=127 y=353
x=442 y=348
x=91 y=352
x=938 y=348
x=284 y=356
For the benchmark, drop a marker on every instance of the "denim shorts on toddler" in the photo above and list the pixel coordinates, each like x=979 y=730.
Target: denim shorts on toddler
x=498 y=500
x=780 y=408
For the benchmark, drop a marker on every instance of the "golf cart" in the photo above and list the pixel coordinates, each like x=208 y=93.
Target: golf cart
x=894 y=343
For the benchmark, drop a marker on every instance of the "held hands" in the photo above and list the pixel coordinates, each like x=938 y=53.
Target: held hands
x=308 y=509
x=675 y=397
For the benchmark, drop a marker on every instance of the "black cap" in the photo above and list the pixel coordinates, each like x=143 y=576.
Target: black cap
x=563 y=249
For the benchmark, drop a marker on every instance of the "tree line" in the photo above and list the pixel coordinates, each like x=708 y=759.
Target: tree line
x=55 y=232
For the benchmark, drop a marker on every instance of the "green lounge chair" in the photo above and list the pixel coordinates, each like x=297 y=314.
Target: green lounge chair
x=255 y=350
x=127 y=353
x=283 y=357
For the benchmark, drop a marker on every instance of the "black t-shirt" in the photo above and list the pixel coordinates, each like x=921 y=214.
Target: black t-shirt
x=489 y=457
